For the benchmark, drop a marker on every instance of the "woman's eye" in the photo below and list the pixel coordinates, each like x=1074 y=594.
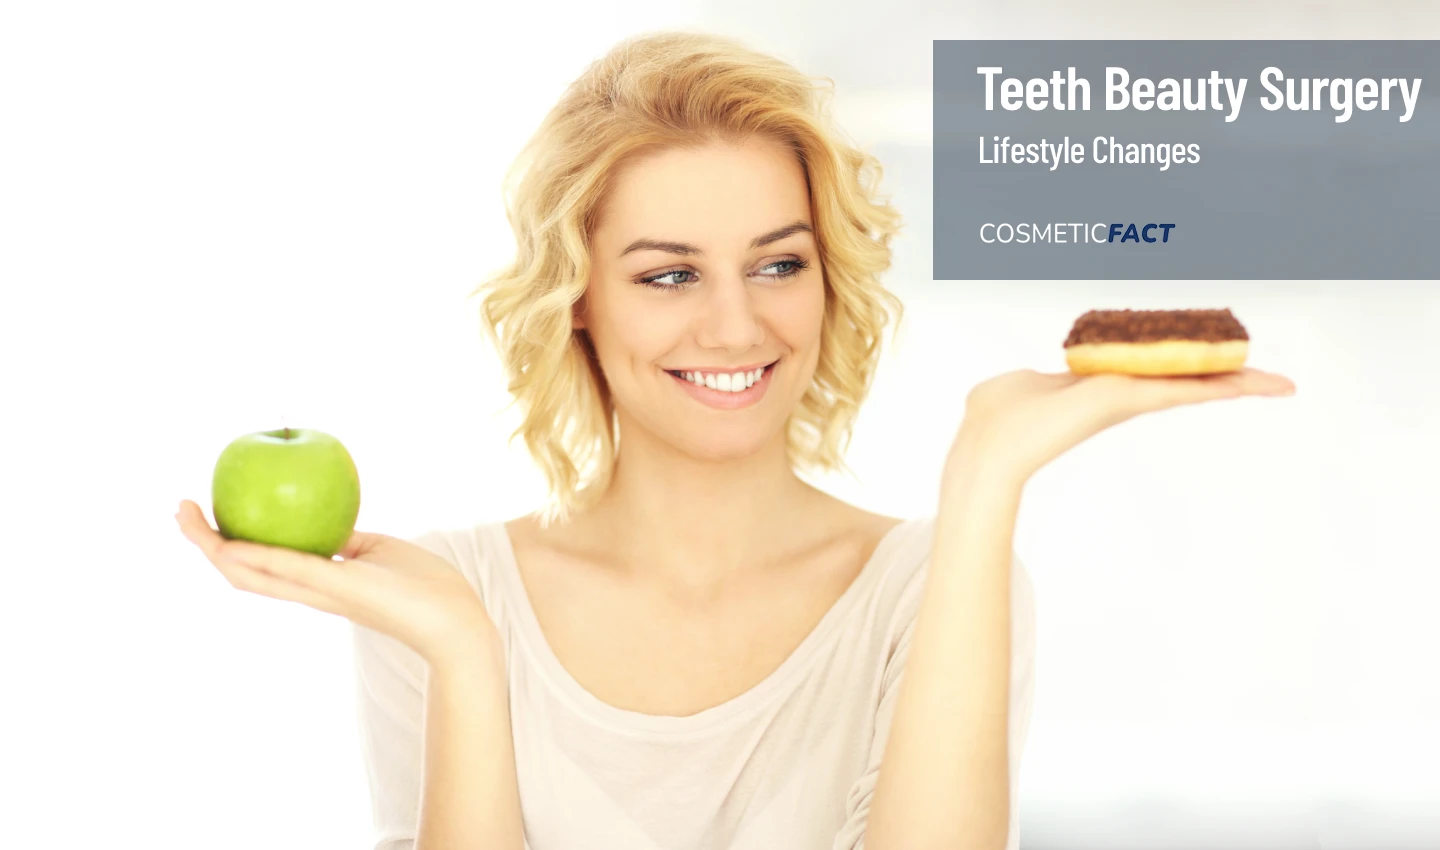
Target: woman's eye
x=669 y=280
x=795 y=267
x=659 y=281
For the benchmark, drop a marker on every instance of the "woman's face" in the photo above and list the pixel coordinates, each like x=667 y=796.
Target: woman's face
x=705 y=271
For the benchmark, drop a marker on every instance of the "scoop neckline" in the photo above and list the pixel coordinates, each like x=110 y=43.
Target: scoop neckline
x=625 y=721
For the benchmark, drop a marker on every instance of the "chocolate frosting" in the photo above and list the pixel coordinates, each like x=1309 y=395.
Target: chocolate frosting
x=1098 y=326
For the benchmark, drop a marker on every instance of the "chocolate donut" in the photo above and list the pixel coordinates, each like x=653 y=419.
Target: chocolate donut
x=1156 y=342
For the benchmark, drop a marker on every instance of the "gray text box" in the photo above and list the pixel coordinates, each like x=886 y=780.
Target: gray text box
x=1276 y=195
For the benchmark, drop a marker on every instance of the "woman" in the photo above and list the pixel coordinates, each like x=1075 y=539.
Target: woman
x=689 y=647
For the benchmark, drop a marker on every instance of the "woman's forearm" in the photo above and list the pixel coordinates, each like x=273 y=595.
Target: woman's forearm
x=944 y=780
x=469 y=797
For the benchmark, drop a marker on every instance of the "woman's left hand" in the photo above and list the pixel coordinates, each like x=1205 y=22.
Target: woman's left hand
x=384 y=583
x=1023 y=420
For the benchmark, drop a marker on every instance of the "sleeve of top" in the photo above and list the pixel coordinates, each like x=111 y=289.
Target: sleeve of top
x=390 y=692
x=1022 y=697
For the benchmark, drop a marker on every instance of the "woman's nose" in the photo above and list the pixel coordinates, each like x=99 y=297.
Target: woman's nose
x=730 y=318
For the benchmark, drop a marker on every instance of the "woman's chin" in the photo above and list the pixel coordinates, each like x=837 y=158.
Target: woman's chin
x=724 y=447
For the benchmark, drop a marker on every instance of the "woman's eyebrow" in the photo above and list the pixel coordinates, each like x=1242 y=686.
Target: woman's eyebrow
x=682 y=248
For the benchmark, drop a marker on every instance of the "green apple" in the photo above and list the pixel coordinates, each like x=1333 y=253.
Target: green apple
x=294 y=487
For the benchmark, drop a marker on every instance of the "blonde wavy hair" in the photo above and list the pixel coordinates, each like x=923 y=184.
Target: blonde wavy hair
x=649 y=93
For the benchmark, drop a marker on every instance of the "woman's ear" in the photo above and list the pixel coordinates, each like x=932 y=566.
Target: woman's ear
x=577 y=314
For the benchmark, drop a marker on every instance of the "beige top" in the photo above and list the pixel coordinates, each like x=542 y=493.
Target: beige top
x=790 y=763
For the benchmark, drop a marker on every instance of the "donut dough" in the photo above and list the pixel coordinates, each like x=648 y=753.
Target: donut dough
x=1165 y=357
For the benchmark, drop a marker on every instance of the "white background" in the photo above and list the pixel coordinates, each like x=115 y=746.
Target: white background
x=217 y=220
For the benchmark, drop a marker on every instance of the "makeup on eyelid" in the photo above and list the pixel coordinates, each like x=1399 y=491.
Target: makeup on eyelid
x=652 y=281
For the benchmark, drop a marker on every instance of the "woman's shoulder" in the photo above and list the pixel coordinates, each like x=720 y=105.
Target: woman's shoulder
x=900 y=558
x=479 y=550
x=897 y=591
x=898 y=546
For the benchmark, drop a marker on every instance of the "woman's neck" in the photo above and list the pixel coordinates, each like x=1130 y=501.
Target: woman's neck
x=699 y=522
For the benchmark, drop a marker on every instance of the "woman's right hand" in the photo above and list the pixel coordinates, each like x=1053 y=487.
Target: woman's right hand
x=1022 y=420
x=384 y=583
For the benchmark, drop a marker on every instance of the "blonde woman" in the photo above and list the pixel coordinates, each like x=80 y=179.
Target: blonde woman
x=690 y=647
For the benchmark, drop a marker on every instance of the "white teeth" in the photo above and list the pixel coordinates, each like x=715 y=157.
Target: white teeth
x=732 y=382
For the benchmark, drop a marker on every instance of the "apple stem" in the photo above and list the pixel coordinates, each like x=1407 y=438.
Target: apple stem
x=286 y=435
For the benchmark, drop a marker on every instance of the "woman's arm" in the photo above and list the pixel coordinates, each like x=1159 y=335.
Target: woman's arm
x=945 y=778
x=430 y=663
x=469 y=796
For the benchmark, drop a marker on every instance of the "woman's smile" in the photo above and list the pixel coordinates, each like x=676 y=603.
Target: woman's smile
x=725 y=390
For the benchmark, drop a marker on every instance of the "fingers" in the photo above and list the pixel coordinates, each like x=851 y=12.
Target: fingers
x=197 y=530
x=1256 y=382
x=299 y=567
x=1054 y=379
x=360 y=543
x=247 y=578
x=1160 y=393
x=269 y=570
x=1231 y=384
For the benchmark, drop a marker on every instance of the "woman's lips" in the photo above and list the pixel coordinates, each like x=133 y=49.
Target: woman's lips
x=724 y=399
